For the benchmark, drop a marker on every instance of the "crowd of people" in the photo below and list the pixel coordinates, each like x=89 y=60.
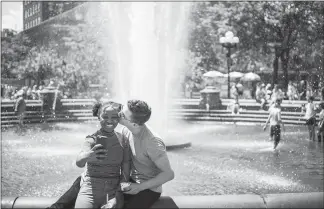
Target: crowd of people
x=12 y=92
x=266 y=94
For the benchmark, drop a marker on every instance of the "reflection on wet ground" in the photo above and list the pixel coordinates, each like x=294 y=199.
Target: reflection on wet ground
x=223 y=159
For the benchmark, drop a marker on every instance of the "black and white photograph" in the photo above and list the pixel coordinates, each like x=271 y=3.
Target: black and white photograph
x=162 y=104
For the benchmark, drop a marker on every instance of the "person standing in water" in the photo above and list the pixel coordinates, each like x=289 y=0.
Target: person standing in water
x=275 y=122
x=20 y=109
x=310 y=117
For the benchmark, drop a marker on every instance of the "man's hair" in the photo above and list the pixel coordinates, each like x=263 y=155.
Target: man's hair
x=311 y=98
x=141 y=112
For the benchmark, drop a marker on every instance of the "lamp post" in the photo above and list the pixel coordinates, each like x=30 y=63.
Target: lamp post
x=229 y=41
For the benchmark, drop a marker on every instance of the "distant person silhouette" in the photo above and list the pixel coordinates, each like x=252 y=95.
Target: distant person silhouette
x=20 y=108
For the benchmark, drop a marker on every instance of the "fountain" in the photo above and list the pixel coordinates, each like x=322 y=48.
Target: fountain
x=147 y=44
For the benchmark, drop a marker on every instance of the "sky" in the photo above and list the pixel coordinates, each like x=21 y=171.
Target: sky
x=12 y=15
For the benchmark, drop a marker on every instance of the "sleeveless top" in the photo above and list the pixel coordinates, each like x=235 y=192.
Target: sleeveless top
x=109 y=167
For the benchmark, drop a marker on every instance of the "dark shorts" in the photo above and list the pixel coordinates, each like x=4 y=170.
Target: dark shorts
x=275 y=131
x=311 y=121
x=143 y=199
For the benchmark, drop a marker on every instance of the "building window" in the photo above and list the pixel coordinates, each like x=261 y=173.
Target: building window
x=39 y=19
x=26 y=15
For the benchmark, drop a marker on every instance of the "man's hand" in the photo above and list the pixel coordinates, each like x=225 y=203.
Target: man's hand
x=134 y=188
x=110 y=204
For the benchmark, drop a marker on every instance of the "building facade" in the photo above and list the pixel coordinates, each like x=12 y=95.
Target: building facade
x=36 y=12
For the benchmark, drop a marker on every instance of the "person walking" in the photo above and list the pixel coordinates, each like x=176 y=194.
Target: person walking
x=310 y=117
x=275 y=122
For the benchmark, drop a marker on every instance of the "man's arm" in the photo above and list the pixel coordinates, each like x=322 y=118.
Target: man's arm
x=280 y=120
x=166 y=174
x=156 y=151
x=265 y=126
x=17 y=104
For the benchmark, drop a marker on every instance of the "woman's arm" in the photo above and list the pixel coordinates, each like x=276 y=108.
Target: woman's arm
x=83 y=154
x=90 y=152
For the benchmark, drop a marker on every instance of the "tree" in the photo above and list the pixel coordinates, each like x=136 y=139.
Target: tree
x=277 y=31
x=13 y=49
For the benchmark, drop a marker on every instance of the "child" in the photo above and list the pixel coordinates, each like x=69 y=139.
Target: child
x=275 y=122
x=320 y=133
x=105 y=154
x=310 y=117
x=106 y=157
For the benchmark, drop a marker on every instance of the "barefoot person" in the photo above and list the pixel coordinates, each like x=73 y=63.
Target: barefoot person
x=150 y=167
x=310 y=117
x=275 y=122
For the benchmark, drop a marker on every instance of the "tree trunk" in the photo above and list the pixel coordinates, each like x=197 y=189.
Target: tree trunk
x=284 y=60
x=275 y=66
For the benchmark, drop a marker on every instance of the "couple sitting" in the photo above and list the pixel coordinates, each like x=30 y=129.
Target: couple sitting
x=123 y=169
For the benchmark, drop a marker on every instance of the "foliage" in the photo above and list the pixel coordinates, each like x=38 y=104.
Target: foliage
x=13 y=49
x=287 y=28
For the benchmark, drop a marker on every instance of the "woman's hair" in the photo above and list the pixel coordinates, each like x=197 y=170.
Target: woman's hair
x=141 y=112
x=100 y=106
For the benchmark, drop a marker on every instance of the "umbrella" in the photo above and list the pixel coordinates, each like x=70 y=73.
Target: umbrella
x=251 y=77
x=213 y=74
x=235 y=74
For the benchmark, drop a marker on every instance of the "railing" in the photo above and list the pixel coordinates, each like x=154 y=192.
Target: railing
x=187 y=109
